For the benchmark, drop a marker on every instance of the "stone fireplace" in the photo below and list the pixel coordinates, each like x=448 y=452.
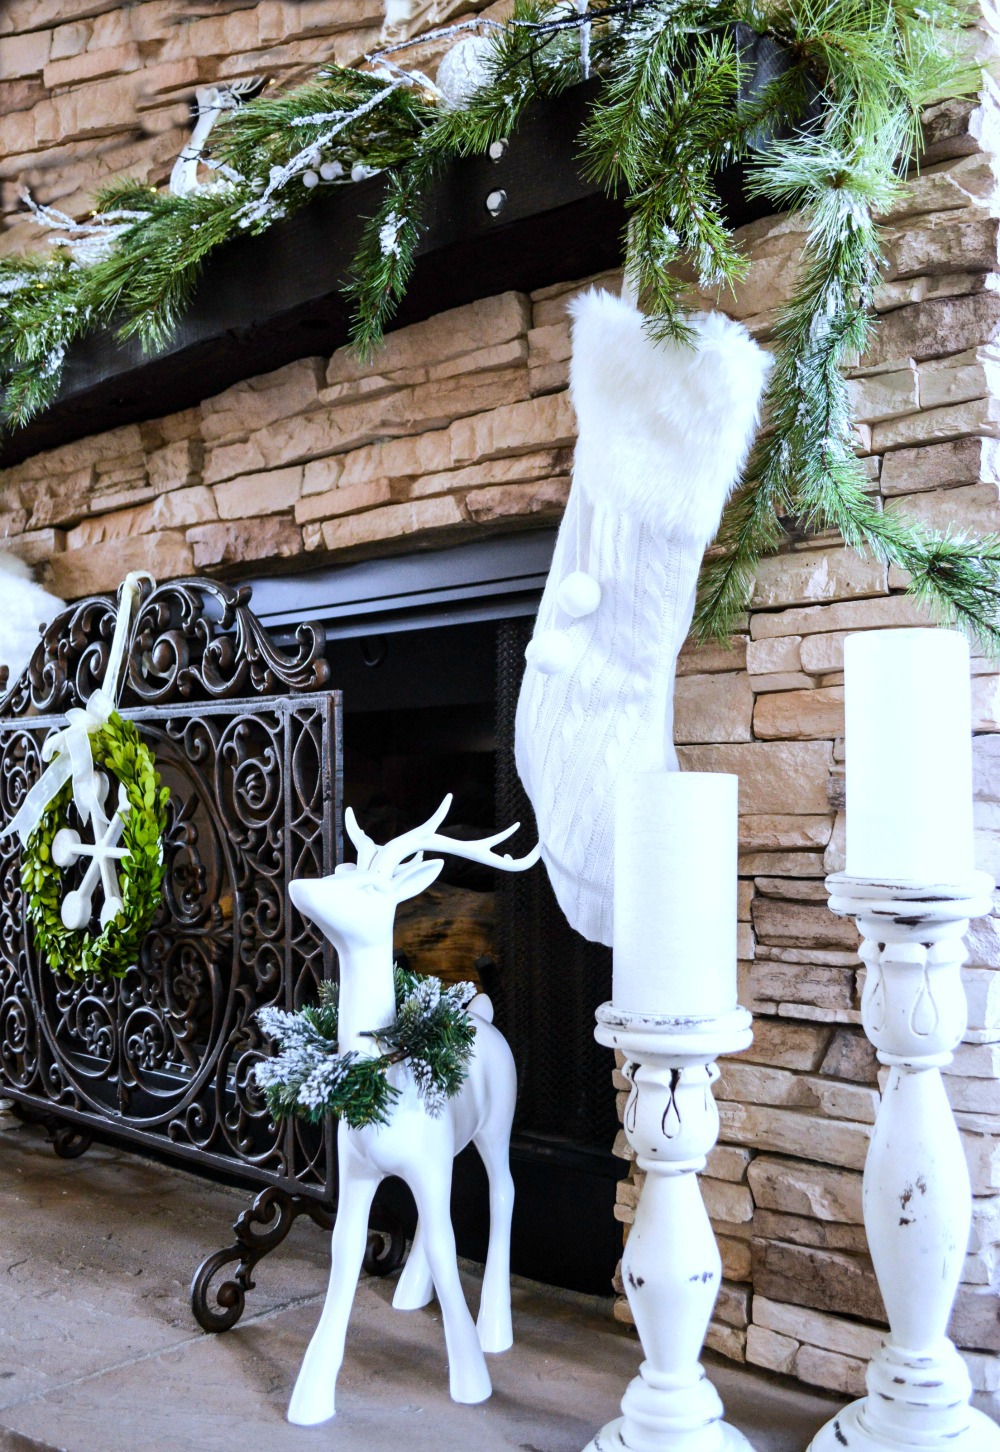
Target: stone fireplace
x=409 y=504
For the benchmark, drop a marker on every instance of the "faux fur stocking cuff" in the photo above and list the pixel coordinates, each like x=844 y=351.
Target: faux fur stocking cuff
x=676 y=421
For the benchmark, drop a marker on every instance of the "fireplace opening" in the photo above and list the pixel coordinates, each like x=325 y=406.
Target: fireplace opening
x=428 y=653
x=420 y=722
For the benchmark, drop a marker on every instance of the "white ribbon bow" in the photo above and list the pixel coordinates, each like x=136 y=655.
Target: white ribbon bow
x=68 y=750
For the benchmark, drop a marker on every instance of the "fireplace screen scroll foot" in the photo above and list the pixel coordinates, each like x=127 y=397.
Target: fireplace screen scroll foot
x=69 y=1141
x=260 y=1229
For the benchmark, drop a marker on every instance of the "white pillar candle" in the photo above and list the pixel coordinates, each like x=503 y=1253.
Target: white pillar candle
x=675 y=894
x=909 y=756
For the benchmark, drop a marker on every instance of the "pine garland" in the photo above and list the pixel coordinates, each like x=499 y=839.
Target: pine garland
x=678 y=101
x=309 y=1079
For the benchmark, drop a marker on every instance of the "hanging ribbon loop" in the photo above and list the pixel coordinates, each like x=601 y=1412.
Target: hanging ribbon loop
x=68 y=751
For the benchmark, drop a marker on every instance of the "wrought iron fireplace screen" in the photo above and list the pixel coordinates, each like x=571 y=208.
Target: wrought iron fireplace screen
x=249 y=740
x=249 y=743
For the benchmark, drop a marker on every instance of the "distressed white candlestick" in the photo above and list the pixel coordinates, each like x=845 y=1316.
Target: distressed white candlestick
x=671 y=1266
x=675 y=894
x=917 y=1199
x=911 y=889
x=674 y=1011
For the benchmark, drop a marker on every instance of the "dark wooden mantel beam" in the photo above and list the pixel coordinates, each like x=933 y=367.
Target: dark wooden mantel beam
x=265 y=301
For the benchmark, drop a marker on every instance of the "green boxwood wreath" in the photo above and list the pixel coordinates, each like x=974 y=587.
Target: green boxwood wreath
x=114 y=950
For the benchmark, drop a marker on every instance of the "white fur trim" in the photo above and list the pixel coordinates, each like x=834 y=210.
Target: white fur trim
x=24 y=608
x=694 y=408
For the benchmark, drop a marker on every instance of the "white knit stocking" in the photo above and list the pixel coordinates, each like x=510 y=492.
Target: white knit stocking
x=663 y=433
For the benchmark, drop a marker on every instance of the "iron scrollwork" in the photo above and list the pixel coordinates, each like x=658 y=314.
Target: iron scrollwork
x=68 y=1141
x=249 y=744
x=193 y=640
x=259 y=1230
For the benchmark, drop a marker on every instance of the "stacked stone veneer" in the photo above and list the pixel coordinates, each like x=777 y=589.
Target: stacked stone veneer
x=462 y=426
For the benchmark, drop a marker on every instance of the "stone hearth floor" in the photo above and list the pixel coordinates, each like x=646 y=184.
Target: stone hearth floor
x=99 y=1352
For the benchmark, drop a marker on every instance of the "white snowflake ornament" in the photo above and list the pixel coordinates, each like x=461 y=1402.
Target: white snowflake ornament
x=68 y=847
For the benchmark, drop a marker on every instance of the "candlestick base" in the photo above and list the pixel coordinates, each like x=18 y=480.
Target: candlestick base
x=917 y=1201
x=885 y=898
x=849 y=1430
x=671 y=1267
x=719 y=1437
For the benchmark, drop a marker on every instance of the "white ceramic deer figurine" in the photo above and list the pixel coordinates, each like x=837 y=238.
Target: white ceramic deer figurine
x=355 y=908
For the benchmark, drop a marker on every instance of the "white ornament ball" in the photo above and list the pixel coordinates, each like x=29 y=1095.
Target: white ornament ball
x=398 y=12
x=551 y=652
x=330 y=170
x=23 y=605
x=579 y=594
x=463 y=70
x=310 y=178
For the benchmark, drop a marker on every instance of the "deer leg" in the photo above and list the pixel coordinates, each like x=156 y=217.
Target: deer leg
x=492 y=1140
x=493 y=1324
x=415 y=1287
x=313 y=1399
x=469 y=1381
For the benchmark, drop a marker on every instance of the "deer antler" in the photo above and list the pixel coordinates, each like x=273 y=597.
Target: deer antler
x=482 y=850
x=388 y=857
x=427 y=838
x=366 y=848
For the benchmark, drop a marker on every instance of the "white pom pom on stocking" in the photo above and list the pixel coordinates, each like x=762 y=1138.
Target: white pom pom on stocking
x=579 y=594
x=663 y=432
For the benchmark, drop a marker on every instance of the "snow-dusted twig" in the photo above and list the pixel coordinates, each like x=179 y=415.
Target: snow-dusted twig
x=86 y=242
x=256 y=210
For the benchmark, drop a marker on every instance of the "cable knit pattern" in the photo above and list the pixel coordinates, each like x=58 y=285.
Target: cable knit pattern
x=663 y=434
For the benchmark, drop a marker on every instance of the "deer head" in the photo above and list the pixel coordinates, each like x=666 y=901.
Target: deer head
x=355 y=906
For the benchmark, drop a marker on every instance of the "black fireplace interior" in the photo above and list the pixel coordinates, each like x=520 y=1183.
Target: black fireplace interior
x=429 y=693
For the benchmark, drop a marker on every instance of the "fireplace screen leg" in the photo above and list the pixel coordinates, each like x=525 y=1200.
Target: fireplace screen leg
x=261 y=1229
x=69 y=1141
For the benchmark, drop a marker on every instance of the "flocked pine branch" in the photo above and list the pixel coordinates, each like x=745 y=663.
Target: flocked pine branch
x=807 y=465
x=386 y=257
x=43 y=309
